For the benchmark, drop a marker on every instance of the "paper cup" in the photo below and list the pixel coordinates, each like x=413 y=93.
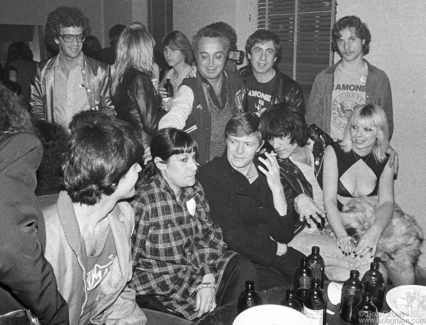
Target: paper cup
x=334 y=292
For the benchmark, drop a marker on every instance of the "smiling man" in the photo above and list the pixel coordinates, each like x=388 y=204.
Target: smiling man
x=247 y=200
x=350 y=82
x=265 y=84
x=203 y=104
x=69 y=82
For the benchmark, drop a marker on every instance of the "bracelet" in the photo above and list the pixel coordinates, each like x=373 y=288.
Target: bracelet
x=206 y=285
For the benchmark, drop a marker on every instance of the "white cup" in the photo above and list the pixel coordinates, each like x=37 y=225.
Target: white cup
x=334 y=292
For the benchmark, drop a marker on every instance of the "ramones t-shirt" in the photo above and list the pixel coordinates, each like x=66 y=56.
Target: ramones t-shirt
x=259 y=95
x=348 y=92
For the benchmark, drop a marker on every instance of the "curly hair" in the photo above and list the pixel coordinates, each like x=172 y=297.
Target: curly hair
x=64 y=17
x=361 y=31
x=13 y=116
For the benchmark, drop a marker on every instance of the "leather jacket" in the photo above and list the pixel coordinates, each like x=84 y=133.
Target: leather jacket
x=286 y=90
x=96 y=77
x=294 y=177
x=137 y=102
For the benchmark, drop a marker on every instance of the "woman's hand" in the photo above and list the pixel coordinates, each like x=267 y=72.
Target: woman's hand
x=307 y=209
x=368 y=243
x=271 y=171
x=206 y=301
x=346 y=244
x=162 y=91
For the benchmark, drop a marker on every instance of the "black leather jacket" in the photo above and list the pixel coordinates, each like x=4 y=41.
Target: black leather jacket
x=136 y=101
x=293 y=176
x=286 y=90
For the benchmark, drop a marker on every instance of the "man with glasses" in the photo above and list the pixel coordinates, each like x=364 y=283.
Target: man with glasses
x=69 y=82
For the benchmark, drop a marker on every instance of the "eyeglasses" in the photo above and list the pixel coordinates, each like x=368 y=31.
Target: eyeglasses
x=68 y=38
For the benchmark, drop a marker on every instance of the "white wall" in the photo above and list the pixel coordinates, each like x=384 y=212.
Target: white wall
x=398 y=47
x=191 y=15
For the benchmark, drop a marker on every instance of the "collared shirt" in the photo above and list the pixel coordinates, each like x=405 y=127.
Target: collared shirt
x=175 y=244
x=70 y=95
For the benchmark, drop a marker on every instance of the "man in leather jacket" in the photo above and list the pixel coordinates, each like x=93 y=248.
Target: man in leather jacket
x=265 y=84
x=69 y=82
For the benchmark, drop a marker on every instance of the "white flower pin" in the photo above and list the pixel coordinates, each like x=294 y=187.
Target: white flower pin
x=191 y=205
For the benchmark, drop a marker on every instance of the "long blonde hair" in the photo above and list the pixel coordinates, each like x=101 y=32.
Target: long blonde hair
x=135 y=48
x=369 y=114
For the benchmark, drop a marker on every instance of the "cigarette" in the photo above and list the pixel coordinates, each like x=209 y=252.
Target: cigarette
x=273 y=153
x=330 y=312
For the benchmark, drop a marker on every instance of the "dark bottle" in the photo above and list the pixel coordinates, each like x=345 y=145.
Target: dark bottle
x=302 y=280
x=351 y=296
x=373 y=282
x=248 y=298
x=316 y=264
x=291 y=300
x=315 y=304
x=169 y=88
x=365 y=312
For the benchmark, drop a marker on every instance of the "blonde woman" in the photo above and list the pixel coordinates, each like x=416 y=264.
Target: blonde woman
x=357 y=167
x=135 y=98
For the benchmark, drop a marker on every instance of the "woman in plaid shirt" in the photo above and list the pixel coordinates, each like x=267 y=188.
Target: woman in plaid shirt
x=179 y=255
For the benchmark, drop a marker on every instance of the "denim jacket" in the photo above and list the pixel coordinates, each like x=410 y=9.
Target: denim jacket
x=378 y=91
x=66 y=251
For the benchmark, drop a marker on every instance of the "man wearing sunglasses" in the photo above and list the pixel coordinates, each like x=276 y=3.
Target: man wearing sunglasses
x=69 y=82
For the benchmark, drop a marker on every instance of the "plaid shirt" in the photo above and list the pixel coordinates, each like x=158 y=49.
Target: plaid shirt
x=173 y=249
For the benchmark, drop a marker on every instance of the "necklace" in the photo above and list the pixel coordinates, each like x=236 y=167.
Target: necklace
x=358 y=157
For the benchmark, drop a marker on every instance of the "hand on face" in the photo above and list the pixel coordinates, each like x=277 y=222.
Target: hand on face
x=271 y=170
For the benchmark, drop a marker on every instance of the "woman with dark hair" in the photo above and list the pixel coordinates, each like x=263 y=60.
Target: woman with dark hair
x=179 y=56
x=134 y=95
x=88 y=230
x=27 y=280
x=179 y=256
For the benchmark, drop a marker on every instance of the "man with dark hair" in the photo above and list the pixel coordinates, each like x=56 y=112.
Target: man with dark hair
x=107 y=54
x=69 y=82
x=350 y=82
x=248 y=201
x=265 y=84
x=88 y=230
x=204 y=104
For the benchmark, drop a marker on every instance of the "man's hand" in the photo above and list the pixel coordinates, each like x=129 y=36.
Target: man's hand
x=307 y=209
x=393 y=160
x=271 y=171
x=206 y=297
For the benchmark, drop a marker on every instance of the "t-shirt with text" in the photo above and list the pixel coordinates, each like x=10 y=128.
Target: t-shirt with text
x=348 y=92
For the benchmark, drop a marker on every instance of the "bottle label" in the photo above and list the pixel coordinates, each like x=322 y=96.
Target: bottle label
x=315 y=316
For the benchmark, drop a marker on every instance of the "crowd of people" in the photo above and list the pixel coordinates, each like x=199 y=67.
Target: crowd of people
x=168 y=206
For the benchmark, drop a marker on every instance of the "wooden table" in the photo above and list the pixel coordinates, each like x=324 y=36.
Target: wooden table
x=226 y=314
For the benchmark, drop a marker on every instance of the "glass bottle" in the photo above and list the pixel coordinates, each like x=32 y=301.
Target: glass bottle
x=316 y=264
x=302 y=280
x=248 y=298
x=365 y=312
x=373 y=282
x=169 y=88
x=291 y=300
x=351 y=295
x=315 y=304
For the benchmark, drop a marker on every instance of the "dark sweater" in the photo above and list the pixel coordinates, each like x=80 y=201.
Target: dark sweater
x=244 y=211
